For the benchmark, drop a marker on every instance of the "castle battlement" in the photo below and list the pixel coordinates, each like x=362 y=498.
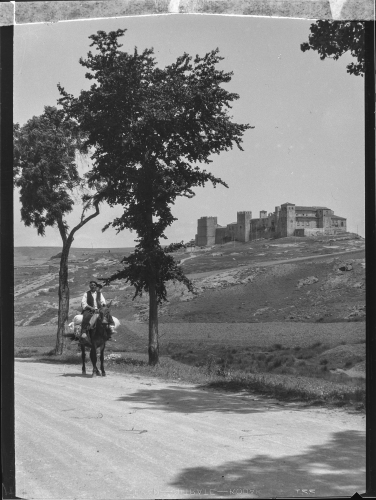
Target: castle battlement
x=288 y=219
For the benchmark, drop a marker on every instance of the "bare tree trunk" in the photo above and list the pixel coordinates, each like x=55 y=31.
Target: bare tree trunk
x=153 y=347
x=63 y=298
x=153 y=326
x=63 y=311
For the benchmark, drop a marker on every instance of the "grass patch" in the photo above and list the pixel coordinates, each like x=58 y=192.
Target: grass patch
x=340 y=390
x=69 y=358
x=289 y=388
x=299 y=361
x=25 y=352
x=167 y=369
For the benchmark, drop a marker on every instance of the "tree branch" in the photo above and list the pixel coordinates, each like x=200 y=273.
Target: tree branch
x=84 y=221
x=62 y=229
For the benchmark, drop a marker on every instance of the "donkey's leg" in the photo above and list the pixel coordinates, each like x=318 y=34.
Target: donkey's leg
x=83 y=355
x=93 y=357
x=102 y=360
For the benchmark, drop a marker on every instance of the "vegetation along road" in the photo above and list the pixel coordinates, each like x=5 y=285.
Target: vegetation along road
x=128 y=436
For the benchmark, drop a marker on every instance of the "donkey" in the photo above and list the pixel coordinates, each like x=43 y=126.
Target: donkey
x=100 y=334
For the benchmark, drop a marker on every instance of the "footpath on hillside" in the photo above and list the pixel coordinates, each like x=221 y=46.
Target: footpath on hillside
x=268 y=263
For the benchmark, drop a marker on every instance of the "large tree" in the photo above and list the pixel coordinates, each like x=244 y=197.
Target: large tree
x=332 y=39
x=45 y=168
x=150 y=127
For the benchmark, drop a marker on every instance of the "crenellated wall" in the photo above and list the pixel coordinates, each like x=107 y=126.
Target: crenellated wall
x=286 y=220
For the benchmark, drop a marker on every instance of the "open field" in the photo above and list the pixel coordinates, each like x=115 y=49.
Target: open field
x=235 y=334
x=237 y=354
x=34 y=256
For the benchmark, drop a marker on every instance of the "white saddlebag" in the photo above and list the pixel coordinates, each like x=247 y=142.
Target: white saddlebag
x=75 y=325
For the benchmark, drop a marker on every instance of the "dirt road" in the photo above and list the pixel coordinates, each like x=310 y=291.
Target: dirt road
x=124 y=437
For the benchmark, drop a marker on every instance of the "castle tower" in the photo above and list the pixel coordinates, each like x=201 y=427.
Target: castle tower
x=243 y=225
x=287 y=219
x=324 y=218
x=206 y=231
x=277 y=211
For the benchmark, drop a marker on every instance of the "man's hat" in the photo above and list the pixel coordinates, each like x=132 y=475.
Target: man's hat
x=93 y=281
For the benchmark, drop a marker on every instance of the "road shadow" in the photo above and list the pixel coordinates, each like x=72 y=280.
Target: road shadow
x=85 y=375
x=336 y=468
x=194 y=400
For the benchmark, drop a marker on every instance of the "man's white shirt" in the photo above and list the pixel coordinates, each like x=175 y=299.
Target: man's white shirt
x=94 y=294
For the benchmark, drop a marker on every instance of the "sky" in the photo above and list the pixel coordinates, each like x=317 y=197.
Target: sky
x=307 y=146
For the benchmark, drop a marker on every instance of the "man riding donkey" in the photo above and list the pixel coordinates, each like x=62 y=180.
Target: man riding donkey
x=91 y=302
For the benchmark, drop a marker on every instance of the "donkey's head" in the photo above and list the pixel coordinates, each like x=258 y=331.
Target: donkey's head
x=105 y=314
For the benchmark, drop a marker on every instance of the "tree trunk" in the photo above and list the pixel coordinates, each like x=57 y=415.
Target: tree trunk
x=63 y=298
x=153 y=326
x=63 y=312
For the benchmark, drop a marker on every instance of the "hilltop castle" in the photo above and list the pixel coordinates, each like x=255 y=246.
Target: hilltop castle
x=286 y=220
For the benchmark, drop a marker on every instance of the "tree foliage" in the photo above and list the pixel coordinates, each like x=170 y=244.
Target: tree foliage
x=45 y=171
x=137 y=270
x=45 y=168
x=332 y=39
x=150 y=127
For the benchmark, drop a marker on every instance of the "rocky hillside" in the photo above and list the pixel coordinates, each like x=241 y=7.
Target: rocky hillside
x=290 y=279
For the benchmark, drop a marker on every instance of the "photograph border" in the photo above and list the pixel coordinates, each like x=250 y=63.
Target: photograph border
x=7 y=262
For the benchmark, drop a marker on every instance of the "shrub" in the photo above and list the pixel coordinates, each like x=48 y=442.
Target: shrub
x=290 y=361
x=277 y=362
x=286 y=370
x=316 y=344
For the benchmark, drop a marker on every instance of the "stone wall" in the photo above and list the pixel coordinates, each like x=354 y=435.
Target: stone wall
x=317 y=231
x=206 y=227
x=286 y=220
x=221 y=235
x=243 y=225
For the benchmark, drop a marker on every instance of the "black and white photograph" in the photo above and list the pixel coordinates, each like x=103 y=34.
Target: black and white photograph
x=189 y=256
